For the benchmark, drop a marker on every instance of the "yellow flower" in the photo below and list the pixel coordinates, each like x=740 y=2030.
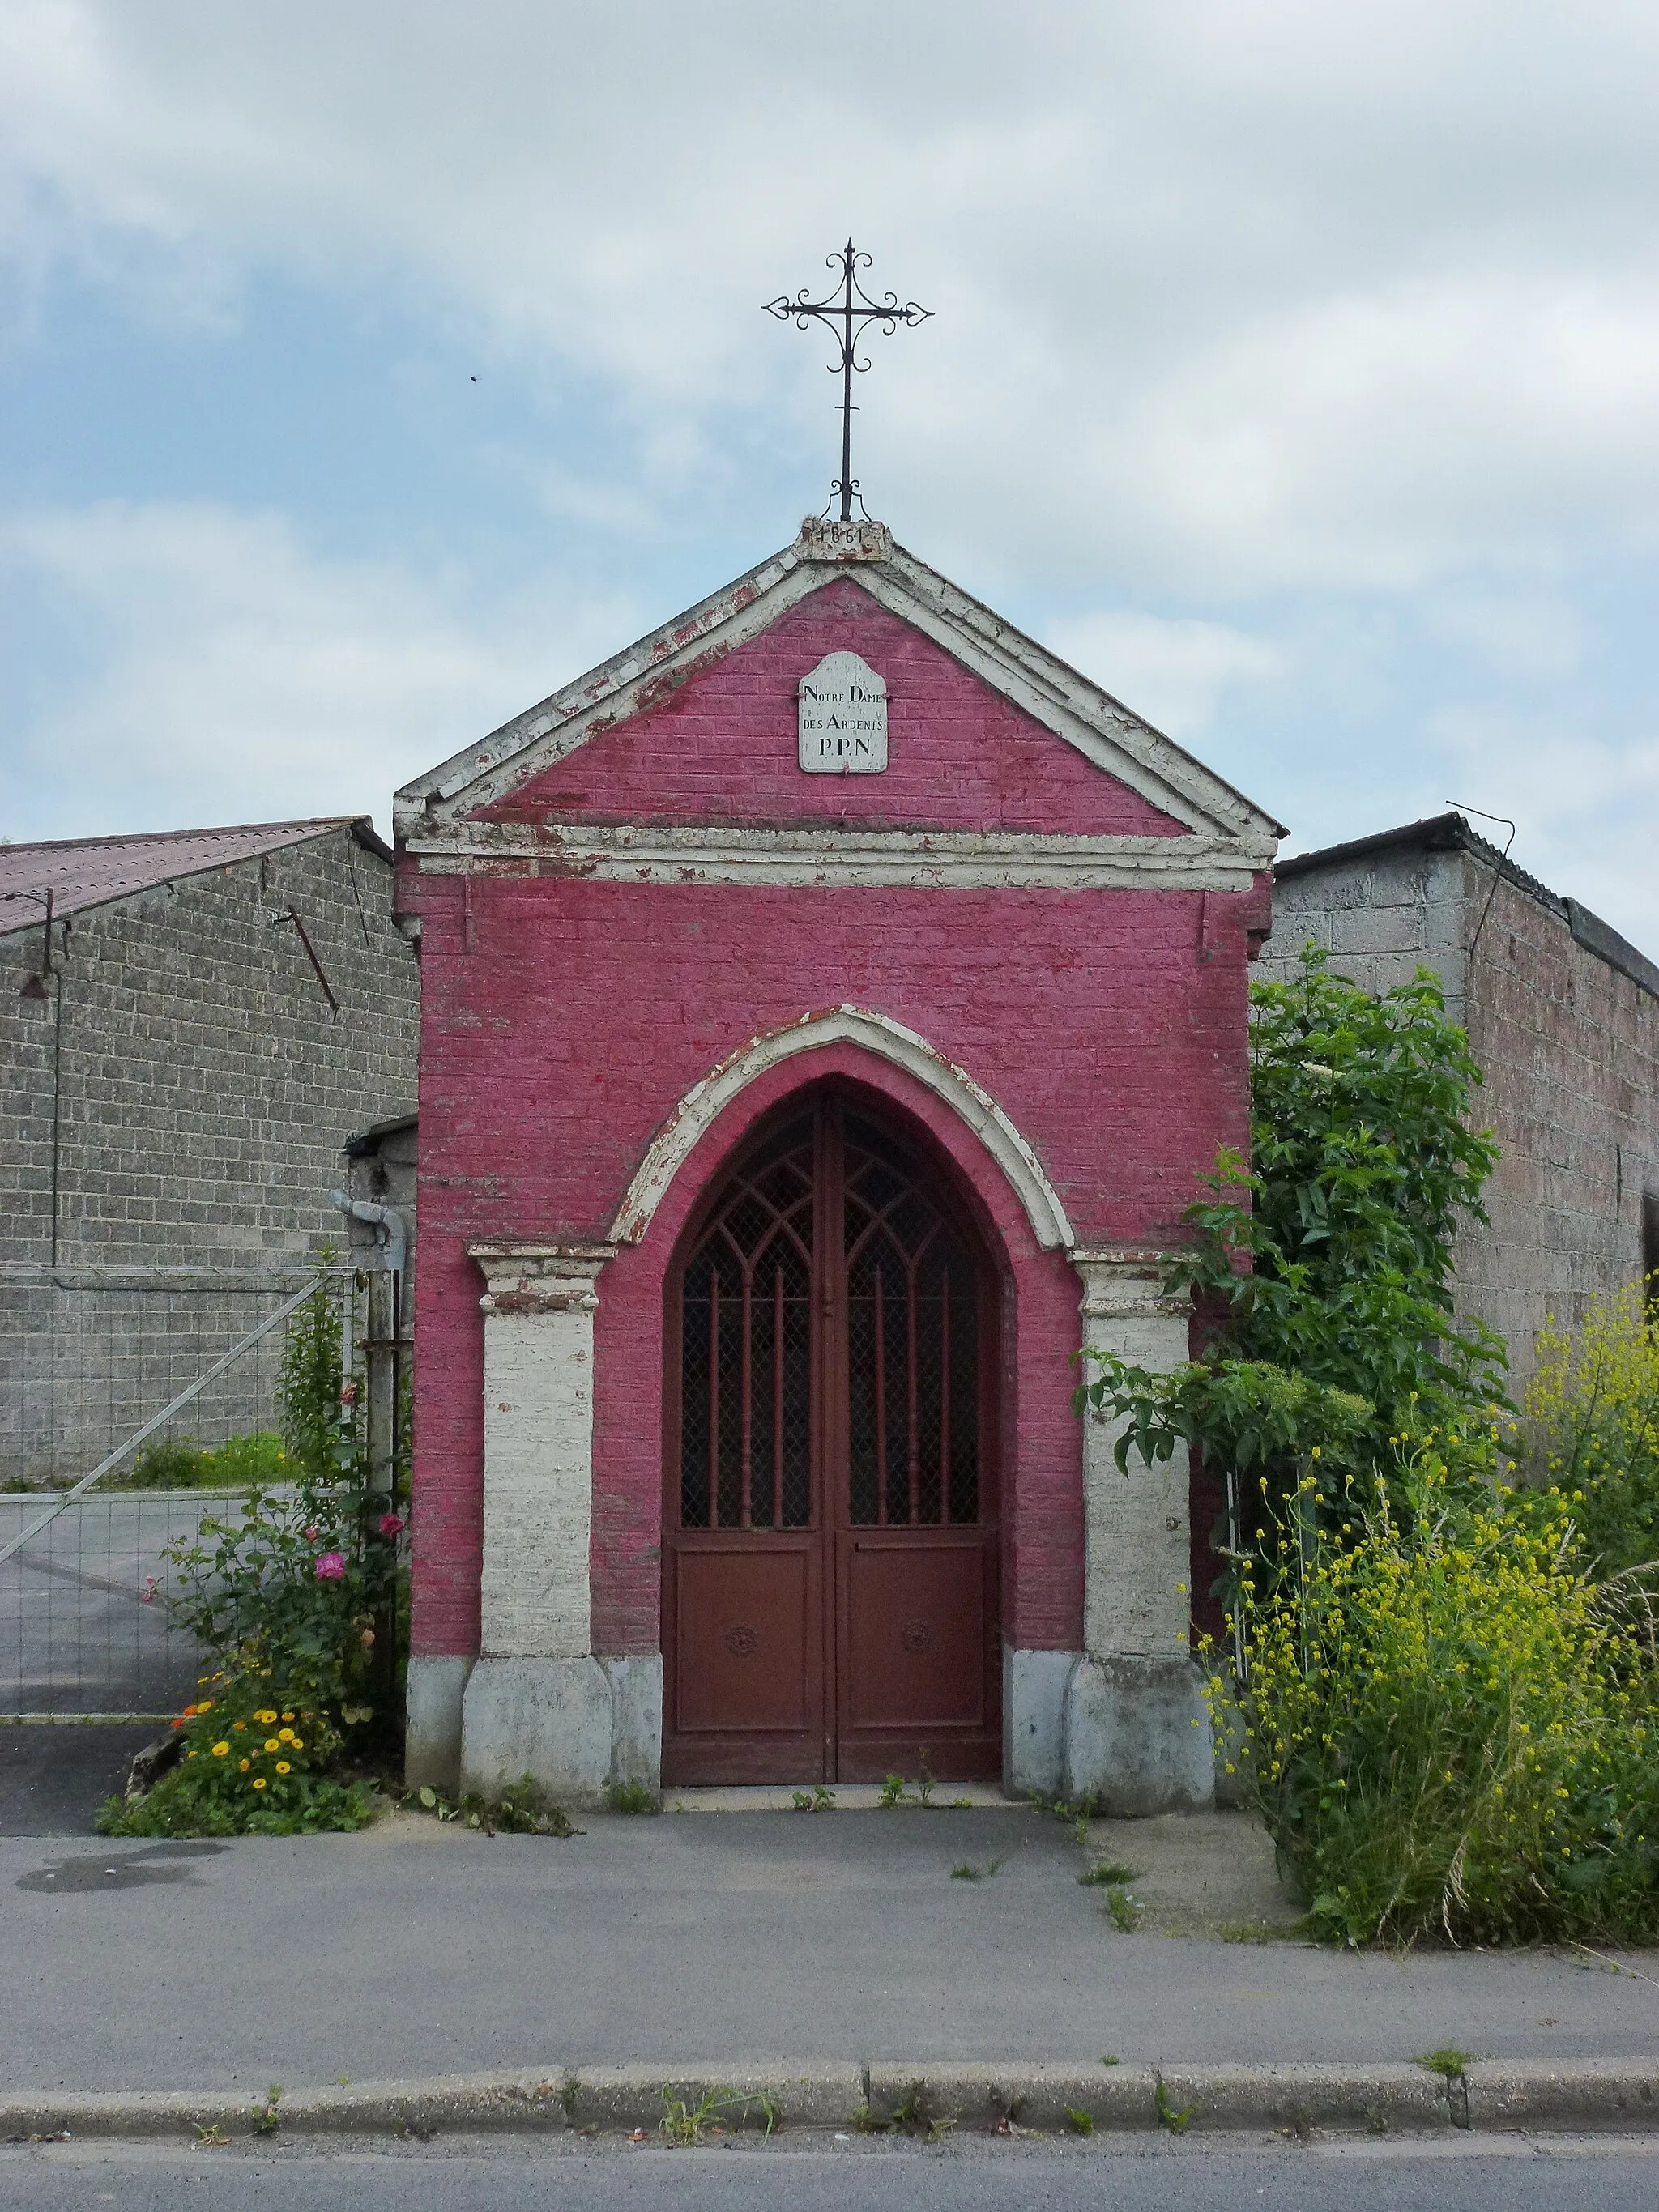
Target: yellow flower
x=238 y=1724
x=190 y=1754
x=286 y=1735
x=220 y=1750
x=258 y=1781
x=287 y=1717
x=243 y=1765
x=265 y=1718
x=282 y=1766
x=271 y=1744
x=296 y=1744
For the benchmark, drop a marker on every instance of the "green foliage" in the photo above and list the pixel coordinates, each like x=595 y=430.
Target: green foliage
x=1175 y=2121
x=633 y=1797
x=307 y=1584
x=1106 y=1873
x=1325 y=1269
x=1451 y=1729
x=523 y=1808
x=254 y=1762
x=1453 y=2064
x=1123 y=1908
x=1592 y=1425
x=1080 y=2122
x=817 y=1799
x=311 y=1379
x=179 y=1464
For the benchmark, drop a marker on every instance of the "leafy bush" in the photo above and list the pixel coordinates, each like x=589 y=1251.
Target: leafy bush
x=308 y=1584
x=252 y=1764
x=1450 y=1732
x=179 y=1463
x=1593 y=1426
x=1324 y=1270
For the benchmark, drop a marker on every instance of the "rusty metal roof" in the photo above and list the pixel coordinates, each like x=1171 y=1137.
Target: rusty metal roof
x=86 y=871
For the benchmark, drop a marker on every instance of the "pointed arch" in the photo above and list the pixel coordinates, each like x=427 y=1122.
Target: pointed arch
x=887 y=1039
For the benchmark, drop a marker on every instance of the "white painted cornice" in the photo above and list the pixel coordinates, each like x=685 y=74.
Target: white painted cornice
x=671 y=853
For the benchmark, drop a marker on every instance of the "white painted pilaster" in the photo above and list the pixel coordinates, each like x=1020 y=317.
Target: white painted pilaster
x=539 y=1447
x=1136 y=1534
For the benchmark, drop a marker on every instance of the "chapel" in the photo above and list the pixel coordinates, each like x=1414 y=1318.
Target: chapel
x=827 y=1006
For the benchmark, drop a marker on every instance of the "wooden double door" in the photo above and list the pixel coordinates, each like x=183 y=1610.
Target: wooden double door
x=829 y=1572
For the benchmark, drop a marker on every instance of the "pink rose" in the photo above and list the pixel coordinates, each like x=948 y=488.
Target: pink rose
x=391 y=1524
x=330 y=1566
x=348 y=1394
x=311 y=1535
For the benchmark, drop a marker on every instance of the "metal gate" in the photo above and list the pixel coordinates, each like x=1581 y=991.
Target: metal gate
x=831 y=1583
x=98 y=1365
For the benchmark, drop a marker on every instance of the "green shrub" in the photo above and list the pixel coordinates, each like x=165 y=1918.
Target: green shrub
x=1592 y=1425
x=1450 y=1732
x=179 y=1463
x=252 y=1763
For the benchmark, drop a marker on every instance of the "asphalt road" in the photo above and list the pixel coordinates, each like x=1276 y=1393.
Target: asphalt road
x=1509 y=2175
x=415 y=1949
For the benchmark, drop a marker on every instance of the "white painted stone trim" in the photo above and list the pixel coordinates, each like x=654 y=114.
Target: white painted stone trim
x=1137 y=1532
x=873 y=1033
x=937 y=859
x=539 y=1447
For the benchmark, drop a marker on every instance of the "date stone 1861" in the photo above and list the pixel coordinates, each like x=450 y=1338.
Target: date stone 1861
x=843 y=718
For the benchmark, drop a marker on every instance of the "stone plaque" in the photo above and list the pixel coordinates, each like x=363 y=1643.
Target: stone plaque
x=843 y=718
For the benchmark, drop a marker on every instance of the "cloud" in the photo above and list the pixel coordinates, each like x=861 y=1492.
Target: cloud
x=1294 y=296
x=1173 y=672
x=227 y=671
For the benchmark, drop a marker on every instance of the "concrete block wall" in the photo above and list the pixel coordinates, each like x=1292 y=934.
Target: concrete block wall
x=1567 y=1040
x=205 y=1091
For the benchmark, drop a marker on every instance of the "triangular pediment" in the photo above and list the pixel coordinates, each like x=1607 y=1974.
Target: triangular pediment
x=640 y=681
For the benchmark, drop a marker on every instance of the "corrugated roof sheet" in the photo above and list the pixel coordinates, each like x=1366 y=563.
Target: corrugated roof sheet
x=86 y=872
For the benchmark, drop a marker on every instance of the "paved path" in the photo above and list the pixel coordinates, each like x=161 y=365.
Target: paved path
x=419 y=1950
x=1540 y=2175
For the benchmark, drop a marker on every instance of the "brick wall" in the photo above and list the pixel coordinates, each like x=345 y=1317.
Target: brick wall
x=1569 y=1043
x=565 y=1019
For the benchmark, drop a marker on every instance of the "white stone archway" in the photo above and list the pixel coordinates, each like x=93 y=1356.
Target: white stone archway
x=888 y=1040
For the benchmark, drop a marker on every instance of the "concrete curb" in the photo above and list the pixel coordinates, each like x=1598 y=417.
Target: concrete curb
x=924 y=2099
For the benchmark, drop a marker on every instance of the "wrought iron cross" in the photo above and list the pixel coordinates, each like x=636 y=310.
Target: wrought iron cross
x=850 y=305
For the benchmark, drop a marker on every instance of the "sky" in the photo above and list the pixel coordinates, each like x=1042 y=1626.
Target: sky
x=369 y=370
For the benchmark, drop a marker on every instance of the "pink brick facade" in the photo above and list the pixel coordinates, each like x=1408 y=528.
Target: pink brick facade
x=571 y=1001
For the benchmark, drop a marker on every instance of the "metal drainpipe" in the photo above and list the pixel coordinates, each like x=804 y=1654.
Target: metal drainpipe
x=383 y=1345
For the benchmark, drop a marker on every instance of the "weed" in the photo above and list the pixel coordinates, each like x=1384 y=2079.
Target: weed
x=1376 y=2120
x=862 y=2122
x=1168 y=2117
x=924 y=1787
x=817 y=1799
x=266 y=2116
x=912 y=2117
x=1262 y=1929
x=1111 y=2059
x=996 y=1865
x=685 y=2124
x=893 y=1791
x=209 y=2138
x=1108 y=1873
x=1451 y=2063
x=633 y=1797
x=966 y=1872
x=1080 y=2122
x=1125 y=1910
x=524 y=1808
x=960 y=1805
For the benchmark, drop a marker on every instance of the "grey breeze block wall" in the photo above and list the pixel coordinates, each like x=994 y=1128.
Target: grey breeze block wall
x=1563 y=1017
x=205 y=1093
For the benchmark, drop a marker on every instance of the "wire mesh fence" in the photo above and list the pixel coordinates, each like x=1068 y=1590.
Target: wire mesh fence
x=134 y=1404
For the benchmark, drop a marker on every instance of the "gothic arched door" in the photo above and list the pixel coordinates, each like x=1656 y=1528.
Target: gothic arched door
x=829 y=1559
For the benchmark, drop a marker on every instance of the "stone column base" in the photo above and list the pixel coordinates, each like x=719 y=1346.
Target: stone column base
x=432 y=1730
x=576 y=1725
x=1137 y=1736
x=1034 y=1720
